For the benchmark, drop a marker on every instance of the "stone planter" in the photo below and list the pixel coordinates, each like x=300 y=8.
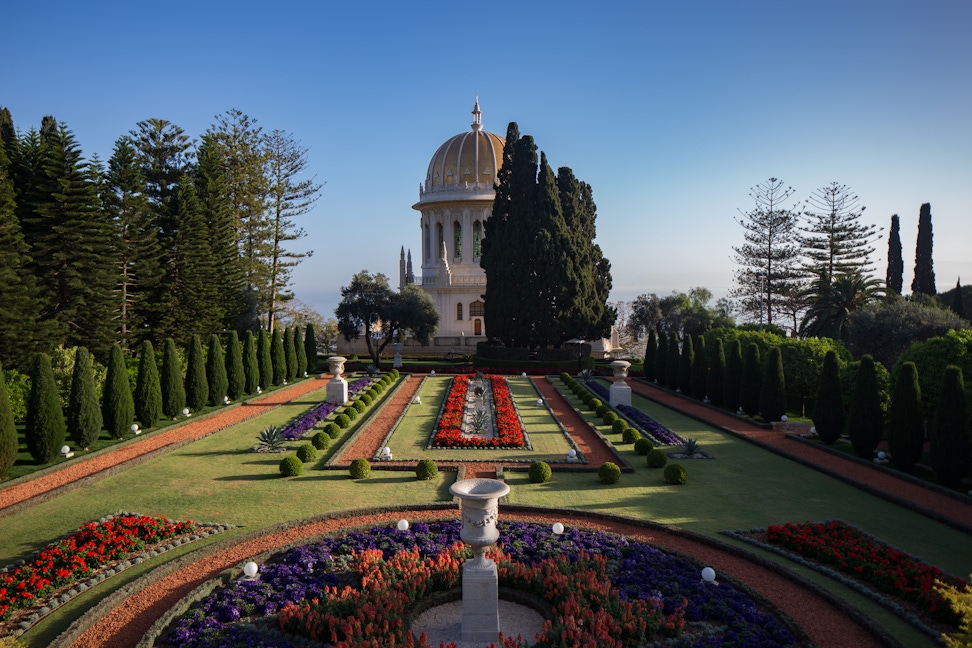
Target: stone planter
x=337 y=387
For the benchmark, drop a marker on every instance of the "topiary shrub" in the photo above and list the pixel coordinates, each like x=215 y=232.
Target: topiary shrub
x=601 y=410
x=619 y=426
x=593 y=404
x=351 y=412
x=906 y=431
x=343 y=421
x=291 y=466
x=772 y=395
x=360 y=469
x=540 y=472
x=366 y=399
x=564 y=377
x=321 y=440
x=656 y=458
x=751 y=378
x=197 y=385
x=951 y=448
x=609 y=472
x=332 y=430
x=828 y=410
x=675 y=474
x=865 y=420
x=609 y=418
x=307 y=453
x=643 y=446
x=360 y=406
x=117 y=404
x=426 y=469
x=630 y=435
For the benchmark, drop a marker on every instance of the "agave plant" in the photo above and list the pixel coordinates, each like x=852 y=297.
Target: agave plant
x=372 y=370
x=479 y=421
x=691 y=447
x=271 y=439
x=585 y=375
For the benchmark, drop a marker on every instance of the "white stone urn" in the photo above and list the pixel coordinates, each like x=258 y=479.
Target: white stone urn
x=620 y=368
x=336 y=364
x=337 y=388
x=620 y=392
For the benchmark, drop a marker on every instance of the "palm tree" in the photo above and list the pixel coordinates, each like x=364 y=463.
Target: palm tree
x=832 y=302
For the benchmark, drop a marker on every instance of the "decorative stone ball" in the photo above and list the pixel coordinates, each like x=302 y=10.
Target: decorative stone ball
x=783 y=418
x=558 y=528
x=523 y=375
x=185 y=411
x=250 y=569
x=882 y=455
x=539 y=402
x=708 y=575
x=134 y=428
x=572 y=454
x=386 y=451
x=813 y=430
x=65 y=450
x=403 y=525
x=417 y=400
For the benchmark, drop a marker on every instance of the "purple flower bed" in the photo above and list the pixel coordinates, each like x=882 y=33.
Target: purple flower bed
x=648 y=425
x=299 y=426
x=637 y=570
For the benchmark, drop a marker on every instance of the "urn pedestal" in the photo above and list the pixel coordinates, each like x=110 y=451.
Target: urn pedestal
x=397 y=360
x=337 y=387
x=620 y=391
x=480 y=583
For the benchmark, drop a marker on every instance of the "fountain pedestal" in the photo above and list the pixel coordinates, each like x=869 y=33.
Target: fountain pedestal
x=480 y=582
x=337 y=387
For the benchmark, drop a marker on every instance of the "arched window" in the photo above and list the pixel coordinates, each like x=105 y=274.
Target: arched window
x=477 y=240
x=457 y=238
x=476 y=309
x=459 y=311
x=439 y=240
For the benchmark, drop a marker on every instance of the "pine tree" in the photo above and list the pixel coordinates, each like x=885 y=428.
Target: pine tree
x=906 y=430
x=835 y=241
x=715 y=381
x=700 y=369
x=895 y=275
x=117 y=404
x=828 y=410
x=235 y=374
x=310 y=348
x=84 y=419
x=197 y=387
x=651 y=352
x=672 y=363
x=733 y=382
x=661 y=358
x=44 y=426
x=772 y=395
x=865 y=420
x=251 y=364
x=264 y=359
x=290 y=353
x=750 y=387
x=951 y=445
x=9 y=443
x=148 y=389
x=173 y=385
x=301 y=352
x=924 y=281
x=216 y=377
x=685 y=363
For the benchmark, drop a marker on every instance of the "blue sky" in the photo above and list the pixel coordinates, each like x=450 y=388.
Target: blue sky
x=672 y=111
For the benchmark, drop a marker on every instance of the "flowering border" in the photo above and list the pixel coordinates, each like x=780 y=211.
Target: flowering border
x=652 y=428
x=509 y=427
x=303 y=423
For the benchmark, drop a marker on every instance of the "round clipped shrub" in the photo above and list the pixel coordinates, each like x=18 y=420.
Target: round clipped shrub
x=343 y=421
x=619 y=426
x=366 y=399
x=609 y=472
x=307 y=453
x=351 y=412
x=332 y=430
x=643 y=446
x=360 y=469
x=593 y=404
x=426 y=469
x=393 y=374
x=601 y=410
x=372 y=392
x=378 y=387
x=609 y=418
x=675 y=474
x=540 y=472
x=291 y=466
x=321 y=440
x=657 y=458
x=358 y=405
x=630 y=435
x=564 y=377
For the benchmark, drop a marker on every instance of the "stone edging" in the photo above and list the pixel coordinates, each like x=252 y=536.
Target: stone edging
x=623 y=463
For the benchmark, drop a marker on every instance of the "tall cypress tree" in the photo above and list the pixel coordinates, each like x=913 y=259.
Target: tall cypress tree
x=301 y=352
x=749 y=388
x=235 y=374
x=951 y=445
x=700 y=369
x=310 y=348
x=148 y=389
x=84 y=419
x=924 y=281
x=865 y=420
x=906 y=431
x=197 y=387
x=828 y=409
x=8 y=430
x=117 y=404
x=661 y=358
x=216 y=372
x=685 y=362
x=958 y=305
x=895 y=275
x=772 y=395
x=672 y=363
x=715 y=382
x=733 y=384
x=173 y=385
x=264 y=359
x=278 y=358
x=44 y=424
x=251 y=364
x=499 y=230
x=290 y=353
x=651 y=352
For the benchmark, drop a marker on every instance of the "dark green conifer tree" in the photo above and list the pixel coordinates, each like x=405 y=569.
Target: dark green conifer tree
x=772 y=395
x=828 y=409
x=715 y=382
x=951 y=445
x=84 y=420
x=750 y=387
x=216 y=377
x=264 y=359
x=278 y=358
x=290 y=353
x=661 y=358
x=251 y=364
x=700 y=369
x=685 y=364
x=310 y=348
x=235 y=374
x=924 y=281
x=9 y=443
x=651 y=352
x=958 y=304
x=44 y=426
x=865 y=420
x=894 y=279
x=672 y=362
x=906 y=429
x=197 y=387
x=733 y=383
x=117 y=404
x=301 y=352
x=173 y=384
x=148 y=389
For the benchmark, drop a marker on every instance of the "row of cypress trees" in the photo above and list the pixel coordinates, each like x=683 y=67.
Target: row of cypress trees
x=217 y=378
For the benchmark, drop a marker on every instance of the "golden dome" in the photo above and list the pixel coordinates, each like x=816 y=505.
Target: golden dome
x=467 y=162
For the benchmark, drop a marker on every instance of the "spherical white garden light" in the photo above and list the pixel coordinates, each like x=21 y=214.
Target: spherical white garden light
x=225 y=400
x=572 y=454
x=65 y=450
x=708 y=575
x=539 y=402
x=403 y=525
x=185 y=411
x=250 y=569
x=432 y=373
x=135 y=428
x=523 y=375
x=558 y=528
x=882 y=455
x=783 y=418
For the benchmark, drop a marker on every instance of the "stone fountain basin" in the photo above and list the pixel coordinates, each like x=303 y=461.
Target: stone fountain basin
x=479 y=489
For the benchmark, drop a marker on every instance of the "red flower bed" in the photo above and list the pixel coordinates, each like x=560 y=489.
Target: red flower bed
x=509 y=429
x=92 y=546
x=866 y=558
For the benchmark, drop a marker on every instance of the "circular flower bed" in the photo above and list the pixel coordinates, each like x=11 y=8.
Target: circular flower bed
x=593 y=580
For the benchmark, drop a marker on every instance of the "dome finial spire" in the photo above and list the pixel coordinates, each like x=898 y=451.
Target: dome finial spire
x=477 y=114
